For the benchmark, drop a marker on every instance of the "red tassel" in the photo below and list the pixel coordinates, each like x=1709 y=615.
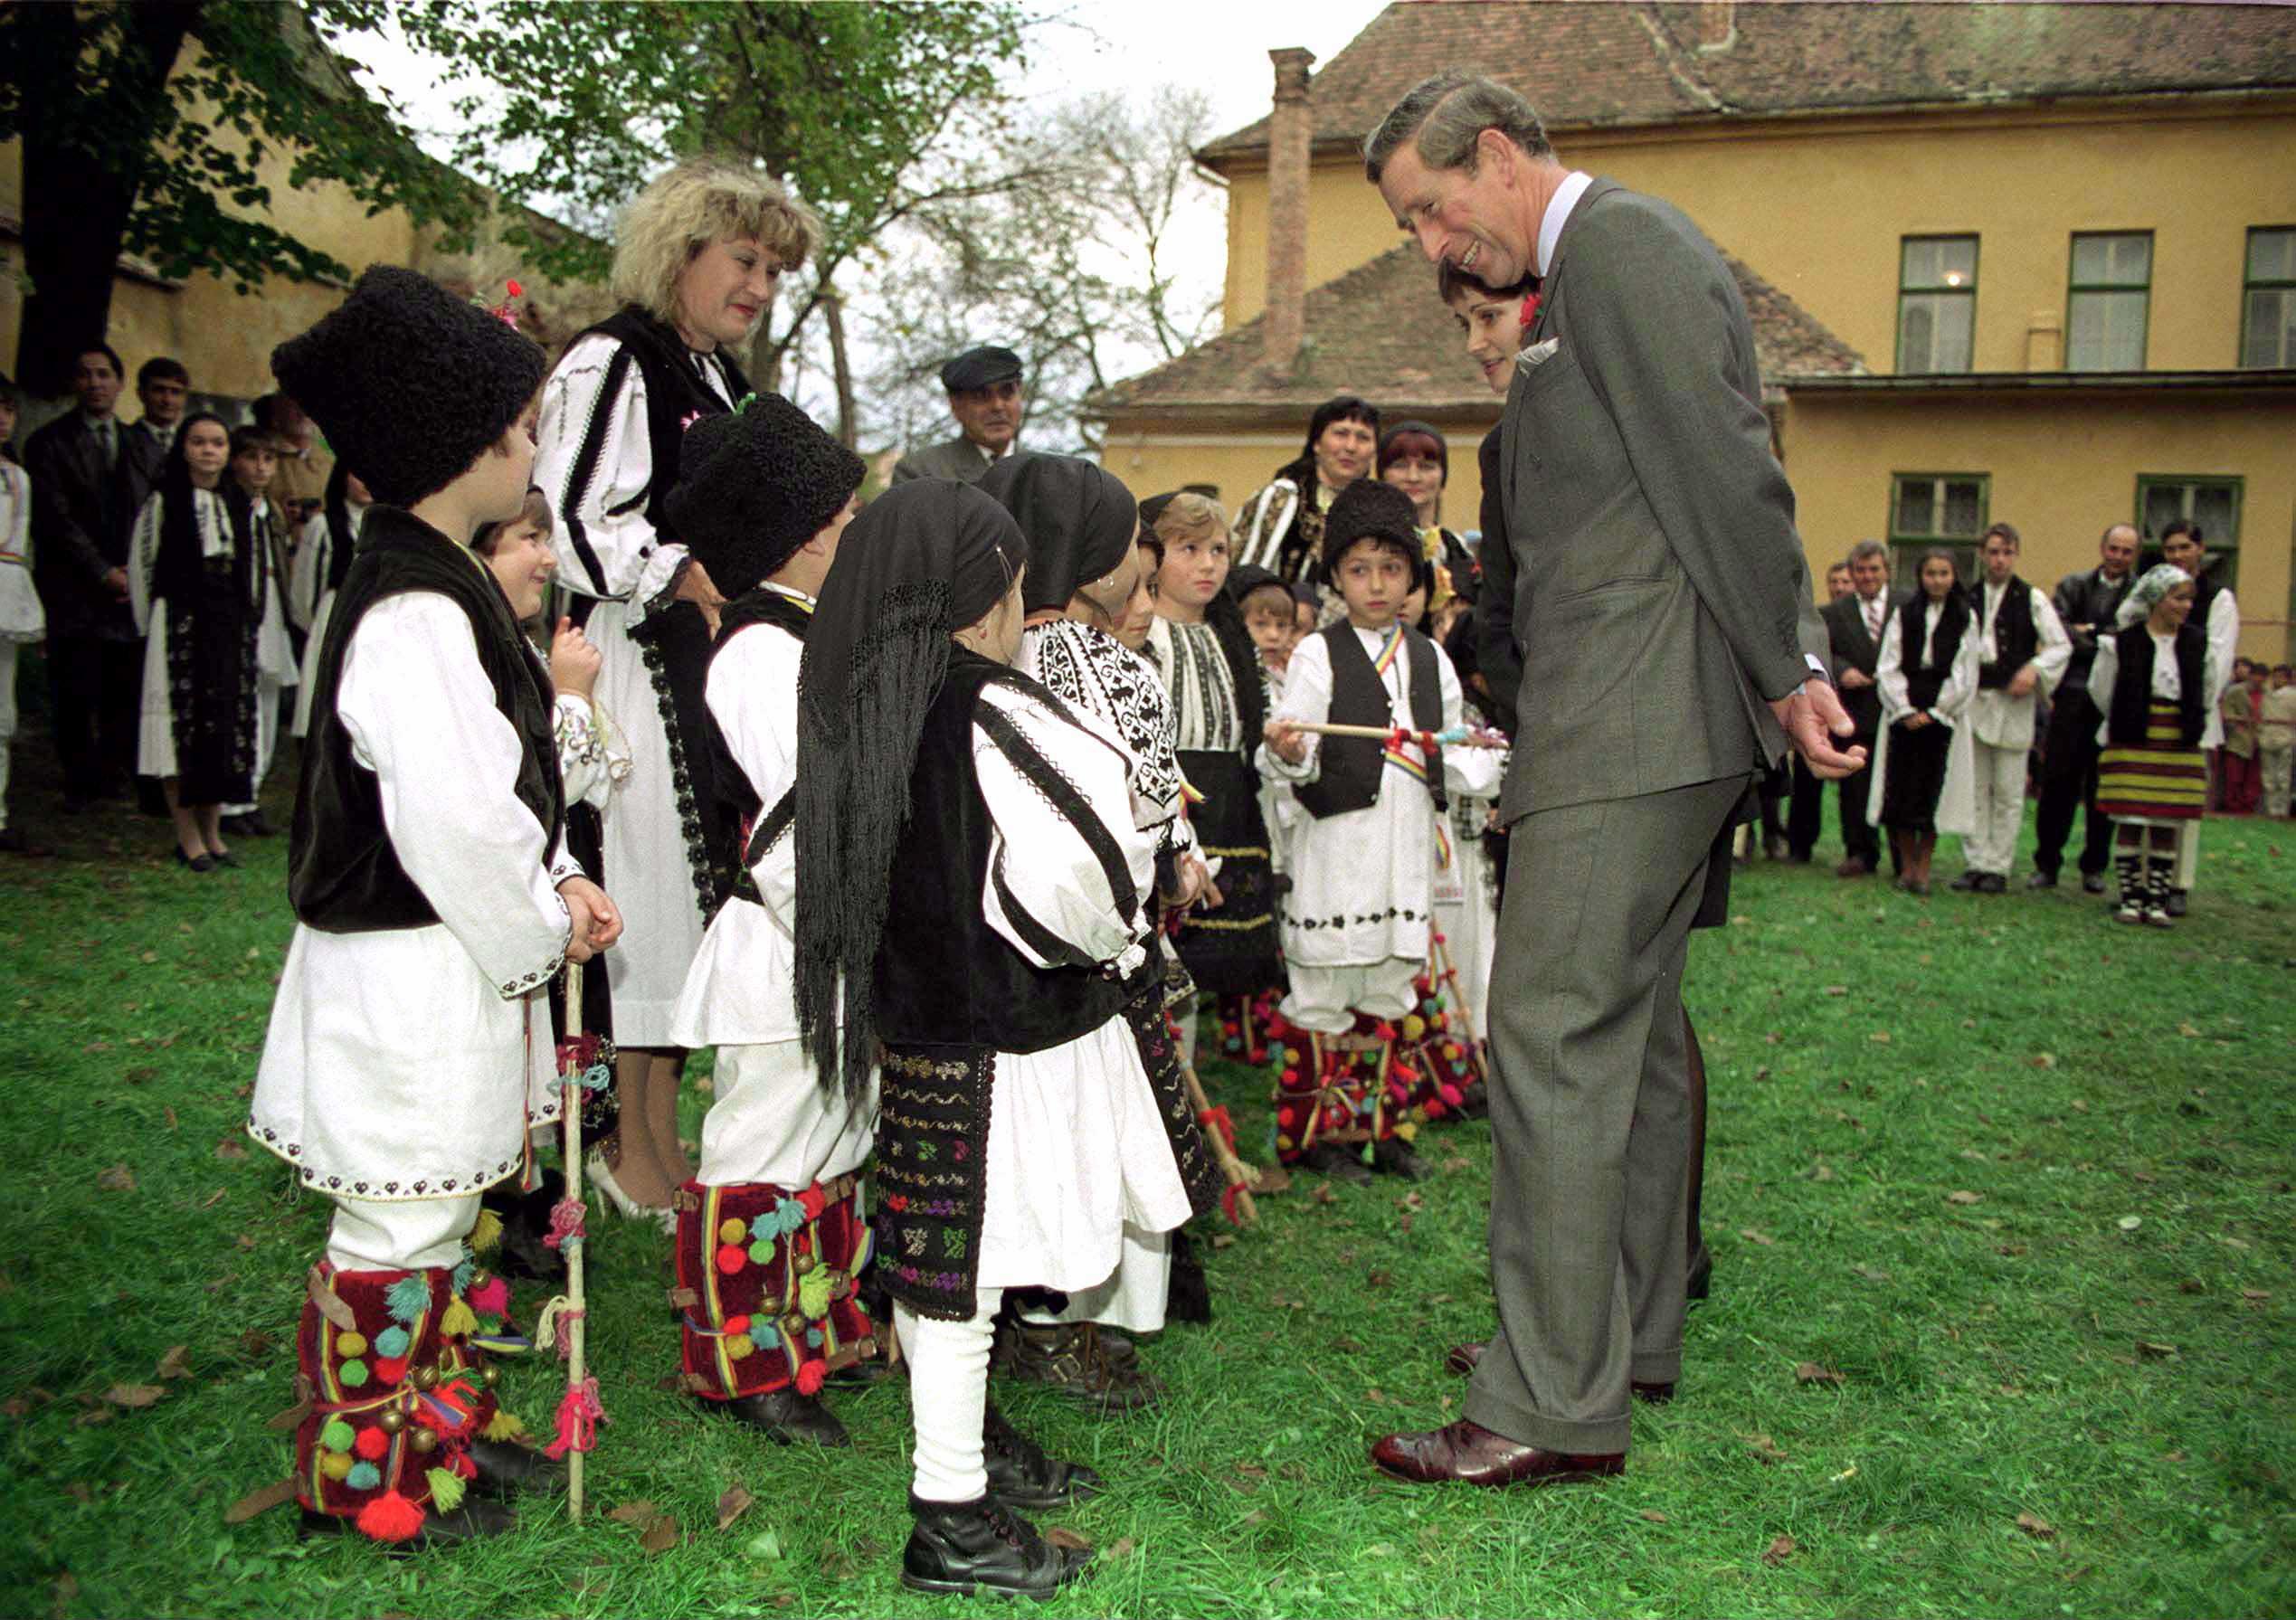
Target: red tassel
x=811 y=1376
x=490 y=1298
x=1227 y=1203
x=565 y=1221
x=579 y=1415
x=390 y=1516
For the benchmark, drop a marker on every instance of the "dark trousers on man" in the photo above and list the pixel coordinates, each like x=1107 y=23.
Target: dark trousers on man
x=1805 y=803
x=94 y=689
x=2068 y=787
x=1590 y=1112
x=1859 y=840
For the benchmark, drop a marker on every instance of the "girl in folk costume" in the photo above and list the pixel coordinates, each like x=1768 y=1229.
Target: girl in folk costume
x=330 y=539
x=1356 y=920
x=1084 y=580
x=1220 y=702
x=2217 y=614
x=770 y=1236
x=1923 y=775
x=427 y=871
x=1281 y=528
x=699 y=255
x=21 y=619
x=987 y=943
x=2153 y=677
x=197 y=583
x=254 y=461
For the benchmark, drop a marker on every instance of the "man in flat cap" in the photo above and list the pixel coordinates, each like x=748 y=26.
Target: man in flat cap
x=986 y=399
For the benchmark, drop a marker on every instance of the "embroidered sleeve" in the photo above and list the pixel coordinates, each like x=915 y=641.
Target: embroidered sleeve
x=143 y=561
x=595 y=459
x=1307 y=699
x=1475 y=771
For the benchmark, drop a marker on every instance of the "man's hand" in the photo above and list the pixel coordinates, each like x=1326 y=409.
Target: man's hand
x=1287 y=742
x=1855 y=679
x=596 y=923
x=574 y=660
x=2022 y=683
x=695 y=586
x=1812 y=717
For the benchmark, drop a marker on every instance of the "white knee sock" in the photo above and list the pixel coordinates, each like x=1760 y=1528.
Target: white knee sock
x=949 y=1397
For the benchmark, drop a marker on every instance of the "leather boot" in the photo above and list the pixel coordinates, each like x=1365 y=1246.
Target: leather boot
x=1394 y=1156
x=1340 y=1164
x=506 y=1468
x=1072 y=1358
x=785 y=1417
x=1022 y=1476
x=960 y=1547
x=476 y=1518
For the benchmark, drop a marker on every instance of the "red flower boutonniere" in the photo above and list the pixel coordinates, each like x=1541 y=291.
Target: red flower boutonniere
x=1530 y=311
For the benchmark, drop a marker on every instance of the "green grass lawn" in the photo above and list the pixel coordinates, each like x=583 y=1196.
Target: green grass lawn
x=2019 y=1177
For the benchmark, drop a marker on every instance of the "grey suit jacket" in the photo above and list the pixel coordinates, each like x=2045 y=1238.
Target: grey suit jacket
x=1660 y=584
x=958 y=458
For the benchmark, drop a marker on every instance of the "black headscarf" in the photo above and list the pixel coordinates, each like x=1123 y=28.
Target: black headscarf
x=342 y=539
x=1080 y=521
x=926 y=558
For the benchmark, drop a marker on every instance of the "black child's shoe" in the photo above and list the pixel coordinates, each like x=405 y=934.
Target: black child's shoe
x=960 y=1547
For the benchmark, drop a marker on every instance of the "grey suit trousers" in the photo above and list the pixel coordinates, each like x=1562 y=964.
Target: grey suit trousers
x=1590 y=1112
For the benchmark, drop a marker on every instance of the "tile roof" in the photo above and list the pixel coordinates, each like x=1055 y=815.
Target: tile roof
x=1584 y=64
x=1380 y=331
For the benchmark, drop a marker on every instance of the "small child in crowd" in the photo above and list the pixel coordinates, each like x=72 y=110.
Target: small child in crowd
x=1269 y=618
x=21 y=619
x=2276 y=739
x=254 y=464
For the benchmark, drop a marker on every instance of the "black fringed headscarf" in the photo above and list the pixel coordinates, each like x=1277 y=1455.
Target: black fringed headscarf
x=342 y=537
x=1080 y=521
x=924 y=559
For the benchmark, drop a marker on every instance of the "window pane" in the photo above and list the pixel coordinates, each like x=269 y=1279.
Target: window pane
x=1916 y=506
x=1956 y=315
x=2113 y=260
x=1938 y=261
x=2271 y=256
x=2265 y=328
x=2164 y=504
x=2132 y=260
x=1915 y=325
x=1964 y=507
x=1934 y=331
x=2107 y=332
x=1956 y=261
x=2212 y=509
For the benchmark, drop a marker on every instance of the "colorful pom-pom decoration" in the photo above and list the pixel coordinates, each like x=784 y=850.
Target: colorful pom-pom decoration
x=812 y=1200
x=352 y=1375
x=1414 y=1026
x=810 y=1377
x=733 y=1231
x=336 y=1436
x=737 y=1324
x=503 y=1425
x=391 y=1369
x=350 y=1344
x=458 y=1319
x=364 y=1476
x=492 y=1298
x=393 y=1341
x=814 y=1291
x=731 y=1259
x=408 y=1299
x=390 y=1516
x=372 y=1443
x=335 y=1464
x=446 y=1489
x=487 y=1234
x=740 y=1347
x=465 y=1269
x=762 y=1251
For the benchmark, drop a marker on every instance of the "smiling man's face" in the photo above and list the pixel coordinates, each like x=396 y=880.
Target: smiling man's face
x=1479 y=221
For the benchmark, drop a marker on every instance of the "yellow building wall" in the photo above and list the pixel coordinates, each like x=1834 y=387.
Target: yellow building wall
x=1818 y=208
x=1151 y=462
x=2061 y=472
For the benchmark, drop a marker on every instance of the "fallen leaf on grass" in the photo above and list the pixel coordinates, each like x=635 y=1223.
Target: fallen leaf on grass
x=1964 y=1196
x=1751 y=1235
x=1837 y=990
x=640 y=1512
x=134 y=1395
x=260 y=1501
x=1324 y=1193
x=1822 y=1173
x=230 y=1148
x=1764 y=1448
x=1060 y=1535
x=1274 y=1179
x=118 y=1178
x=2038 y=1527
x=1222 y=1240
x=171 y=1364
x=1880 y=1037
x=170 y=1112
x=1121 y=1548
x=2046 y=1060
x=1778 y=1551
x=1811 y=1372
x=255 y=1344
x=1655 y=1517
x=733 y=1505
x=2256 y=1296
x=766 y=1544
x=1848 y=1474
x=660 y=1536
x=94 y=1416
x=2187 y=1031
x=1872 y=1274
x=2129 y=1223
x=2147 y=1348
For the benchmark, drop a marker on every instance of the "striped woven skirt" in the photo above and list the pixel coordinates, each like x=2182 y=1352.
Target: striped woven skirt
x=2158 y=780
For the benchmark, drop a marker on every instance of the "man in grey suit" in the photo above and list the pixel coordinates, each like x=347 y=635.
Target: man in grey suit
x=1660 y=604
x=986 y=397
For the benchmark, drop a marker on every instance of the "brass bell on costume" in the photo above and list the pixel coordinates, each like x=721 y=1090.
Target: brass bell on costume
x=794 y=1323
x=426 y=1377
x=390 y=1420
x=805 y=1264
x=423 y=1441
x=490 y=1377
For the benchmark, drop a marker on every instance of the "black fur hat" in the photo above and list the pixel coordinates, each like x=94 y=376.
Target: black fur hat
x=1369 y=507
x=410 y=383
x=756 y=484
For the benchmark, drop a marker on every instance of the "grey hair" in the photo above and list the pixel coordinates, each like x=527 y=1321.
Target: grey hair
x=1869 y=548
x=1447 y=114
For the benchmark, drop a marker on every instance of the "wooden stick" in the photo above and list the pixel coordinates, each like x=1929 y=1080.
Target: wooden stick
x=1447 y=973
x=576 y=1330
x=1474 y=739
x=1239 y=1174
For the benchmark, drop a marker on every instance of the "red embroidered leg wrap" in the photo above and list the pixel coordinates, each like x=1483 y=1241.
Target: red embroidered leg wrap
x=767 y=1285
x=1439 y=1047
x=1331 y=1088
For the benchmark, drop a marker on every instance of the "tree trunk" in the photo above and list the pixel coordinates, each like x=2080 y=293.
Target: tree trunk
x=833 y=312
x=82 y=156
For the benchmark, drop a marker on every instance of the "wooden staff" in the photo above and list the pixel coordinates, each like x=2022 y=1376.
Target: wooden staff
x=576 y=1326
x=1457 y=737
x=1447 y=975
x=1240 y=1176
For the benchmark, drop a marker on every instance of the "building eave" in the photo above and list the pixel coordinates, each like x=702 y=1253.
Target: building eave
x=2047 y=382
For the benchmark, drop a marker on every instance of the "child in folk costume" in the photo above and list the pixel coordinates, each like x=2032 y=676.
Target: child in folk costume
x=1922 y=765
x=427 y=873
x=972 y=897
x=254 y=462
x=330 y=539
x=2022 y=650
x=2153 y=677
x=2276 y=739
x=1085 y=579
x=21 y=620
x=198 y=585
x=1219 y=704
x=1356 y=921
x=770 y=1236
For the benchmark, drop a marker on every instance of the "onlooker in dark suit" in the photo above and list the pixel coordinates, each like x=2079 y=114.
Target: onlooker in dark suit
x=1853 y=627
x=1660 y=590
x=2085 y=604
x=85 y=484
x=1807 y=797
x=164 y=388
x=988 y=401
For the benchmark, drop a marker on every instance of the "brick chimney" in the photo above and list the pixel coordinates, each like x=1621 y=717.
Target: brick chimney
x=1717 y=25
x=1288 y=138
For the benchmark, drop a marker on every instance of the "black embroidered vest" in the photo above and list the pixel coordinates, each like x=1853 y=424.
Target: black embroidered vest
x=2016 y=637
x=1353 y=768
x=1924 y=681
x=343 y=874
x=748 y=834
x=2129 y=704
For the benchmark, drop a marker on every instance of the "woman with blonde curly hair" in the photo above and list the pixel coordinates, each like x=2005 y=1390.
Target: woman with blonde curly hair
x=697 y=259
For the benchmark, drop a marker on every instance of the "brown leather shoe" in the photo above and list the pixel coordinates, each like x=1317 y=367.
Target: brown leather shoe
x=1472 y=1454
x=1853 y=868
x=1464 y=1359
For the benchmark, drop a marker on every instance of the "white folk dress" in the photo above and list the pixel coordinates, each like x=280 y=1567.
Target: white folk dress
x=310 y=600
x=410 y=1063
x=156 y=717
x=1957 y=805
x=21 y=620
x=1077 y=1150
x=1362 y=882
x=648 y=868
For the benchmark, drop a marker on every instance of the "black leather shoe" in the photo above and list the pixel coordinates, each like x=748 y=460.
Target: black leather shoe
x=2092 y=883
x=2042 y=880
x=475 y=1519
x=1340 y=1164
x=1700 y=1280
x=1993 y=883
x=785 y=1417
x=864 y=1374
x=506 y=1468
x=224 y=857
x=1022 y=1476
x=1967 y=883
x=960 y=1547
x=2176 y=902
x=198 y=863
x=1394 y=1156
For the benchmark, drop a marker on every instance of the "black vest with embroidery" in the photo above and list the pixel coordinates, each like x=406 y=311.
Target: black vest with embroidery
x=1351 y=767
x=343 y=874
x=2016 y=637
x=748 y=833
x=1925 y=680
x=2128 y=706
